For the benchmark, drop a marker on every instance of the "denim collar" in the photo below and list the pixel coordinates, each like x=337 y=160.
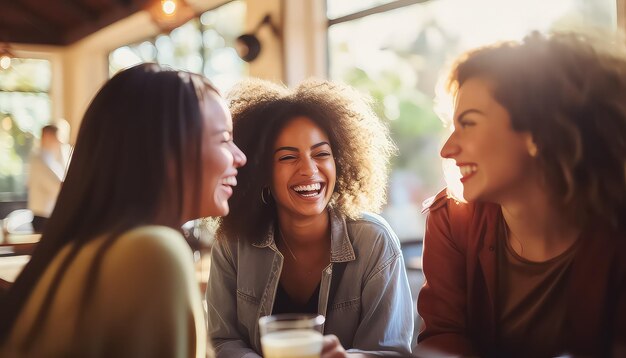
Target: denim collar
x=340 y=246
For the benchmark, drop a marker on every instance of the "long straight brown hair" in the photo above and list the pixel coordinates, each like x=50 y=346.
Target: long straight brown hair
x=139 y=138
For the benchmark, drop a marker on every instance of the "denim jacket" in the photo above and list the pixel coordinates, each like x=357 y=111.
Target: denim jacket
x=371 y=312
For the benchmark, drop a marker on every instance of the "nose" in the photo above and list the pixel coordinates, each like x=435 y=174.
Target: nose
x=239 y=159
x=308 y=167
x=450 y=148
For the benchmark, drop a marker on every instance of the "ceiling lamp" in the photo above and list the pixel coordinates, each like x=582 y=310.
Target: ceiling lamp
x=170 y=14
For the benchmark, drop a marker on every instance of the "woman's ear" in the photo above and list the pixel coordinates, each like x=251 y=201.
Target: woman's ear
x=530 y=145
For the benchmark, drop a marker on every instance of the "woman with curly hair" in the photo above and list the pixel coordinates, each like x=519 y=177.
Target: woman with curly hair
x=299 y=237
x=534 y=264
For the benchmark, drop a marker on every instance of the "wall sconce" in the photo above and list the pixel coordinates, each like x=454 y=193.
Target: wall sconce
x=5 y=56
x=248 y=45
x=169 y=14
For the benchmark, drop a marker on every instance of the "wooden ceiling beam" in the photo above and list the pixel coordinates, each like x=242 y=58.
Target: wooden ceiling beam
x=28 y=24
x=79 y=8
x=48 y=32
x=32 y=37
x=126 y=3
x=117 y=12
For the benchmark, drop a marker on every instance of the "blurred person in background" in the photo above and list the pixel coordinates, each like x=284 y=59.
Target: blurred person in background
x=534 y=263
x=300 y=238
x=112 y=275
x=47 y=168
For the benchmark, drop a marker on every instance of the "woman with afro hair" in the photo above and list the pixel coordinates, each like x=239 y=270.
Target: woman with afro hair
x=300 y=237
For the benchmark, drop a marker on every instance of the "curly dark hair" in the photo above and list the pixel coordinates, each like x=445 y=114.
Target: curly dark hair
x=569 y=91
x=360 y=142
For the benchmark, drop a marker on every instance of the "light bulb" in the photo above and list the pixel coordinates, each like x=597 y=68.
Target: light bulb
x=5 y=62
x=168 y=6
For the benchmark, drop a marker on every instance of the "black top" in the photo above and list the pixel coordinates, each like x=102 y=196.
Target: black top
x=285 y=304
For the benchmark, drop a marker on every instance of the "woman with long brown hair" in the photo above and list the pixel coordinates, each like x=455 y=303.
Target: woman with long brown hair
x=112 y=275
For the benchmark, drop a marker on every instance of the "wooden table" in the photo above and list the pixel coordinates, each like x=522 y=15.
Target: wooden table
x=18 y=244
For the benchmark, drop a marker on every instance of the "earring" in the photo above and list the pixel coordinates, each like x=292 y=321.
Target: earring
x=531 y=147
x=269 y=195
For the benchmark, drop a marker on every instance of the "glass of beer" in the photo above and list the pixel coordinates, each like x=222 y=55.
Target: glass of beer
x=291 y=335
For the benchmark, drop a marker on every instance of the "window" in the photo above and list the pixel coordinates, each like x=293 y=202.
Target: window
x=202 y=45
x=24 y=109
x=397 y=50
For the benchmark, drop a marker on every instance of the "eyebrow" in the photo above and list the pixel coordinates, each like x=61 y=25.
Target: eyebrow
x=294 y=149
x=468 y=111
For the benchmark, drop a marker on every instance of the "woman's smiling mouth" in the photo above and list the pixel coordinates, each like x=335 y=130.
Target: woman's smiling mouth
x=467 y=171
x=309 y=190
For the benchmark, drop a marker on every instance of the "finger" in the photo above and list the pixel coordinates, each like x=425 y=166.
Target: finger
x=329 y=343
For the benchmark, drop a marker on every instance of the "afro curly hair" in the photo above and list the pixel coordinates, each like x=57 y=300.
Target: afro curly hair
x=360 y=142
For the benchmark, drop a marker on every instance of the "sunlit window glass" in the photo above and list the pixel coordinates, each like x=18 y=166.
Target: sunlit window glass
x=220 y=29
x=24 y=110
x=397 y=56
x=202 y=45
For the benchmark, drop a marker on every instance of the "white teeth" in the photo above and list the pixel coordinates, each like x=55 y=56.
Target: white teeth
x=310 y=187
x=232 y=181
x=468 y=169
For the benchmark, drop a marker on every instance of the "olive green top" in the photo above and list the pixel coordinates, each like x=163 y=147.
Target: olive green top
x=146 y=303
